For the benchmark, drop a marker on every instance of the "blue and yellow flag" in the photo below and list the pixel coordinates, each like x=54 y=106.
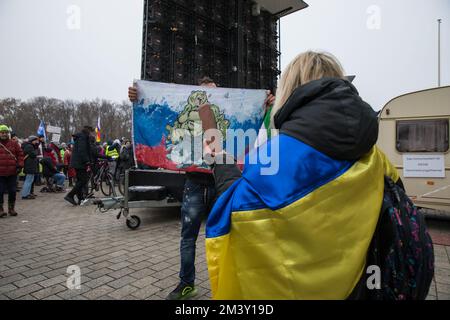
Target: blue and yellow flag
x=300 y=234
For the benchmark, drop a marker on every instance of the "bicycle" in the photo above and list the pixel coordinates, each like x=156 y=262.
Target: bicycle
x=101 y=180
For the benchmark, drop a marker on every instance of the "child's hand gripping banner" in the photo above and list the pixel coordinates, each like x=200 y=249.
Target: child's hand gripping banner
x=167 y=130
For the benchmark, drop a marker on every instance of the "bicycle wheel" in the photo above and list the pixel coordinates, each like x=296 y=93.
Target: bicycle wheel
x=93 y=184
x=106 y=185
x=90 y=186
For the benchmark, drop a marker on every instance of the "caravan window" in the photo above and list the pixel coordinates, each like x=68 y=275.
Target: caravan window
x=422 y=135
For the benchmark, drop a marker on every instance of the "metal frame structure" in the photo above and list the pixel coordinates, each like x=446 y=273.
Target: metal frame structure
x=250 y=57
x=124 y=204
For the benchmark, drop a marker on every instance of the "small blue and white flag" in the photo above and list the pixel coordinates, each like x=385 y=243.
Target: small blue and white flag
x=41 y=130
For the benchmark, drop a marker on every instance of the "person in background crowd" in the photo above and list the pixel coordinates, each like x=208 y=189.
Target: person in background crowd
x=49 y=165
x=122 y=143
x=96 y=154
x=31 y=162
x=50 y=153
x=113 y=151
x=62 y=150
x=20 y=174
x=70 y=171
x=107 y=144
x=56 y=150
x=11 y=161
x=14 y=137
x=41 y=146
x=80 y=159
x=99 y=148
x=126 y=158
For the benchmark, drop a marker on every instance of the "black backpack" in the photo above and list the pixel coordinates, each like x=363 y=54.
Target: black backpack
x=402 y=248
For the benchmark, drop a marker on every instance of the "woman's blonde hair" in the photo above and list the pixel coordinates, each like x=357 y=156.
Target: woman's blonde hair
x=306 y=67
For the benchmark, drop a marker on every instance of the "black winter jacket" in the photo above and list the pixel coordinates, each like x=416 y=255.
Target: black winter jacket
x=31 y=162
x=82 y=151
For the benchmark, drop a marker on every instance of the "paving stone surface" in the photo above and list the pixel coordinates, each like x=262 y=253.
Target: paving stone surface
x=49 y=236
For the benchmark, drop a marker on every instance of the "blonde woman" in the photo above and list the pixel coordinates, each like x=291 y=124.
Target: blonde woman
x=304 y=232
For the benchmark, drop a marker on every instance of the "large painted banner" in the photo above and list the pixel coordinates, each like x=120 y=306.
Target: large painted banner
x=166 y=117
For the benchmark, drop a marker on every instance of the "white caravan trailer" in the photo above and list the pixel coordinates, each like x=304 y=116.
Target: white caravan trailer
x=414 y=134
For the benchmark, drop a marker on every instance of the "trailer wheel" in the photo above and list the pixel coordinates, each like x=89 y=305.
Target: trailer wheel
x=133 y=222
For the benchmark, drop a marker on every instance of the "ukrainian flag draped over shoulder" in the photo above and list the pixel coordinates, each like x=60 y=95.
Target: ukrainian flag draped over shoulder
x=300 y=234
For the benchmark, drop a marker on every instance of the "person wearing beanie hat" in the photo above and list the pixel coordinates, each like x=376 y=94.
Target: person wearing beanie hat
x=30 y=150
x=11 y=160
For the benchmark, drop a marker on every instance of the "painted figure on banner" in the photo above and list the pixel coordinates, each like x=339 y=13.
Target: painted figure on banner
x=166 y=122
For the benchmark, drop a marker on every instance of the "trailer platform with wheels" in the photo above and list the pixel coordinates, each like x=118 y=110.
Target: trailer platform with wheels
x=144 y=189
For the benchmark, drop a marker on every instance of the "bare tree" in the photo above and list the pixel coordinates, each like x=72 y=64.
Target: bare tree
x=24 y=116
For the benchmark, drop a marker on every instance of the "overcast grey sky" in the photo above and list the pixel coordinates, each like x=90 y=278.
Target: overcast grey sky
x=391 y=45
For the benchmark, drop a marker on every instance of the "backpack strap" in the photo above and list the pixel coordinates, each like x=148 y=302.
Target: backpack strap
x=9 y=151
x=376 y=245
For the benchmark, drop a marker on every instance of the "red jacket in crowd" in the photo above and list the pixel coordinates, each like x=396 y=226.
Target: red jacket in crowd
x=11 y=158
x=71 y=173
x=57 y=152
x=50 y=154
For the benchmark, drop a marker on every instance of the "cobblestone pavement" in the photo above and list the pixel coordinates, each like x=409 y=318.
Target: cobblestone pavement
x=48 y=236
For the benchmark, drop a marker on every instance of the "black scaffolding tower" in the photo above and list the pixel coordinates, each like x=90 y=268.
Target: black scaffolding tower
x=235 y=42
